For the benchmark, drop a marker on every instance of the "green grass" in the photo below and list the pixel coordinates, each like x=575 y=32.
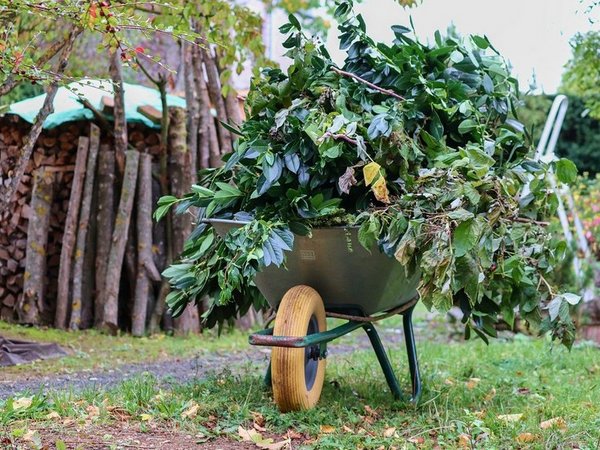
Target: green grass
x=467 y=386
x=94 y=350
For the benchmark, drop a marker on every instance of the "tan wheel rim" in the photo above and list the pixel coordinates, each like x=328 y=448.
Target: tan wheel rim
x=297 y=376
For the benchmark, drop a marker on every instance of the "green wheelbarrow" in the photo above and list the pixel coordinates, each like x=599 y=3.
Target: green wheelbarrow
x=329 y=275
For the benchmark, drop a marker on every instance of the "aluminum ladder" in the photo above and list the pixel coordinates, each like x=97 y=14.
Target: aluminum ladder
x=545 y=152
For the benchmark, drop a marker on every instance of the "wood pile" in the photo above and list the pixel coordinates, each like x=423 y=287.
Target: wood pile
x=56 y=238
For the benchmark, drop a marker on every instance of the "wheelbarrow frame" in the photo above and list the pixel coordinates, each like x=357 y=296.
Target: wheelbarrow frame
x=320 y=340
x=324 y=262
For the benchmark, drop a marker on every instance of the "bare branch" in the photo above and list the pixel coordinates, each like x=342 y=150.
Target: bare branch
x=47 y=109
x=368 y=83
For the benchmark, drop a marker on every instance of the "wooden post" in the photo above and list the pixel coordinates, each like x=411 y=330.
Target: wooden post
x=146 y=269
x=105 y=220
x=68 y=241
x=32 y=301
x=179 y=168
x=160 y=257
x=214 y=90
x=191 y=100
x=209 y=153
x=118 y=242
x=120 y=130
x=84 y=219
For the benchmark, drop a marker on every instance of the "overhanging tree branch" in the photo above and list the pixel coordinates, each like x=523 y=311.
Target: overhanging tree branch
x=8 y=193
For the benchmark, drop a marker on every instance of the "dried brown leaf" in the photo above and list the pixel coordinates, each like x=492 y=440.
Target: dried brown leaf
x=555 y=422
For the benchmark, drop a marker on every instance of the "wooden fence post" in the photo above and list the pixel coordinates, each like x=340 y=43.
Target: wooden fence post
x=180 y=171
x=146 y=270
x=119 y=241
x=105 y=219
x=68 y=242
x=32 y=300
x=84 y=219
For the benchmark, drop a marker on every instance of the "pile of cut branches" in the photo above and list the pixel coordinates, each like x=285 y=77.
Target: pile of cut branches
x=418 y=146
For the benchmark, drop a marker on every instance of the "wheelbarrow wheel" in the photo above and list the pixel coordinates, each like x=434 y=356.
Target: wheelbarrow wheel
x=298 y=373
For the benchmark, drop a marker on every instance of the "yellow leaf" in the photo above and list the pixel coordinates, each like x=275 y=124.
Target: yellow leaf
x=31 y=436
x=22 y=403
x=68 y=422
x=417 y=440
x=145 y=417
x=490 y=395
x=268 y=444
x=327 y=429
x=472 y=383
x=380 y=190
x=524 y=438
x=249 y=435
x=389 y=432
x=93 y=411
x=464 y=441
x=52 y=415
x=370 y=172
x=510 y=418
x=555 y=422
x=191 y=412
x=479 y=414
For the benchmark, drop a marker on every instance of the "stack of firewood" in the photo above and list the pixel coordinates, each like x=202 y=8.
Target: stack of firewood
x=78 y=247
x=55 y=155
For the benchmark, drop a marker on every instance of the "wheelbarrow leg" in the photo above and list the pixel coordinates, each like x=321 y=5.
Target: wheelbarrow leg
x=411 y=351
x=267 y=379
x=384 y=361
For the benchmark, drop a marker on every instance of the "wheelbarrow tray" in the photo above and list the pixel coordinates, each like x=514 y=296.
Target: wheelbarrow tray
x=332 y=261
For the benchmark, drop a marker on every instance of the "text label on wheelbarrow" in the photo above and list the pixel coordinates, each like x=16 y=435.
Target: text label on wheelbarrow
x=308 y=255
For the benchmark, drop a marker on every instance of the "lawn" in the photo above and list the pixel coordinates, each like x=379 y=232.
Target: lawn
x=92 y=350
x=518 y=392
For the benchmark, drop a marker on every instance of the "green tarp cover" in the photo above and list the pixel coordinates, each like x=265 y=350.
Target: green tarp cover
x=68 y=107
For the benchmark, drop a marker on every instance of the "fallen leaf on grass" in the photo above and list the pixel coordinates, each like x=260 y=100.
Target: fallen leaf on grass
x=68 y=422
x=347 y=429
x=449 y=382
x=191 y=412
x=417 y=440
x=258 y=419
x=257 y=427
x=510 y=418
x=555 y=422
x=145 y=417
x=327 y=429
x=292 y=434
x=52 y=415
x=525 y=438
x=251 y=435
x=464 y=441
x=490 y=395
x=92 y=411
x=119 y=413
x=34 y=437
x=479 y=414
x=389 y=432
x=371 y=412
x=22 y=403
x=472 y=383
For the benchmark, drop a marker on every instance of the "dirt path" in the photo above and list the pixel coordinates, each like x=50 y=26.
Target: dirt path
x=178 y=370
